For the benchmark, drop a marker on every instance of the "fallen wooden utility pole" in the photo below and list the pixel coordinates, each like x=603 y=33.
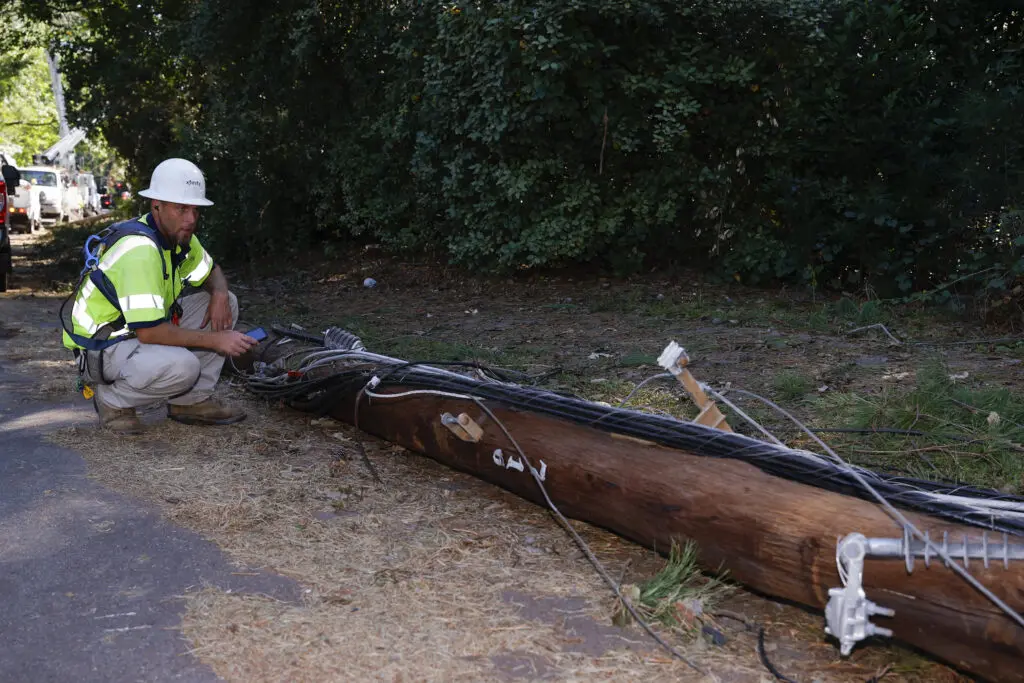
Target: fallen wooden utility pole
x=774 y=535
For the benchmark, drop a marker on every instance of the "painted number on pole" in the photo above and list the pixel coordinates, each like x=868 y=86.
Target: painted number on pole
x=514 y=463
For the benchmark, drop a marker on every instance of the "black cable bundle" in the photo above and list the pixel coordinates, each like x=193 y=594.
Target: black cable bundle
x=320 y=395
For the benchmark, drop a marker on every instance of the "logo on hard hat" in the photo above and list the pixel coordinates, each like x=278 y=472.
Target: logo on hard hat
x=193 y=182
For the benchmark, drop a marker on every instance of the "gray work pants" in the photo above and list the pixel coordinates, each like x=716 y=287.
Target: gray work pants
x=145 y=374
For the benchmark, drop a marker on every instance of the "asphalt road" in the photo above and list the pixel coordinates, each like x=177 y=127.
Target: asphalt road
x=90 y=581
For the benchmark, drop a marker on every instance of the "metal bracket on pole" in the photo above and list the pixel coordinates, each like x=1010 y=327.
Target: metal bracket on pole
x=463 y=427
x=674 y=359
x=848 y=608
x=988 y=551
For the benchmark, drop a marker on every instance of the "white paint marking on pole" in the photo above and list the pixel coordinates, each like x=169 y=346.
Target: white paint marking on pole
x=542 y=475
x=514 y=464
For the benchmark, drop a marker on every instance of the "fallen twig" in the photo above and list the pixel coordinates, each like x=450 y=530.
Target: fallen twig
x=726 y=614
x=881 y=674
x=911 y=451
x=604 y=142
x=880 y=326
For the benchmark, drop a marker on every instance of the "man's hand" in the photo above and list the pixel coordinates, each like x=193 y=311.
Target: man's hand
x=231 y=342
x=224 y=342
x=218 y=312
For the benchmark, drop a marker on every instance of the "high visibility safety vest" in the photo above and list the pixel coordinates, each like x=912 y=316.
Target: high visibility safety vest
x=131 y=282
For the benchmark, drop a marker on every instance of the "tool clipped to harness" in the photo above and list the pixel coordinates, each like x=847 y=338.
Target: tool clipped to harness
x=91 y=254
x=81 y=387
x=84 y=389
x=176 y=312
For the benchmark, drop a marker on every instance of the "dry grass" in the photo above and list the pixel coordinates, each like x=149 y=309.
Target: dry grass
x=418 y=579
x=410 y=579
x=410 y=631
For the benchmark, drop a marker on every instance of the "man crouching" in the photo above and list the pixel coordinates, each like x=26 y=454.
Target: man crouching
x=137 y=339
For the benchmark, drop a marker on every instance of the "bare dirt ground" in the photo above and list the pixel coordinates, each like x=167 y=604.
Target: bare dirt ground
x=436 y=576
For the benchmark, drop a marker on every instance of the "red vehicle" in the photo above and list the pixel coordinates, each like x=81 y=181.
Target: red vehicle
x=112 y=192
x=5 y=238
x=121 y=191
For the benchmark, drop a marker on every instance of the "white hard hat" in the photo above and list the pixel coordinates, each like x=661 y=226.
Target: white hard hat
x=179 y=181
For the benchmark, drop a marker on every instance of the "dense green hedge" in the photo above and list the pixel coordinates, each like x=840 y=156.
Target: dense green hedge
x=839 y=143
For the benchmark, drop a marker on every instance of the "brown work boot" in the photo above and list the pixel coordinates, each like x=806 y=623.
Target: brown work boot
x=118 y=420
x=208 y=412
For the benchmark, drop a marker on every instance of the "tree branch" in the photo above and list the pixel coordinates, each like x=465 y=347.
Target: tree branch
x=29 y=123
x=604 y=141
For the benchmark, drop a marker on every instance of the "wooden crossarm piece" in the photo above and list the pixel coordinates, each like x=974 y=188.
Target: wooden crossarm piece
x=710 y=415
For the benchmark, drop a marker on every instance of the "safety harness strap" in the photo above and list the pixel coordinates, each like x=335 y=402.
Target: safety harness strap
x=106 y=241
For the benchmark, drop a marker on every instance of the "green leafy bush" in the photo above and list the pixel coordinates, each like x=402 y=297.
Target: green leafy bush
x=845 y=145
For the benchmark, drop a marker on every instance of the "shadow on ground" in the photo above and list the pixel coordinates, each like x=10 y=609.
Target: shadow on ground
x=90 y=580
